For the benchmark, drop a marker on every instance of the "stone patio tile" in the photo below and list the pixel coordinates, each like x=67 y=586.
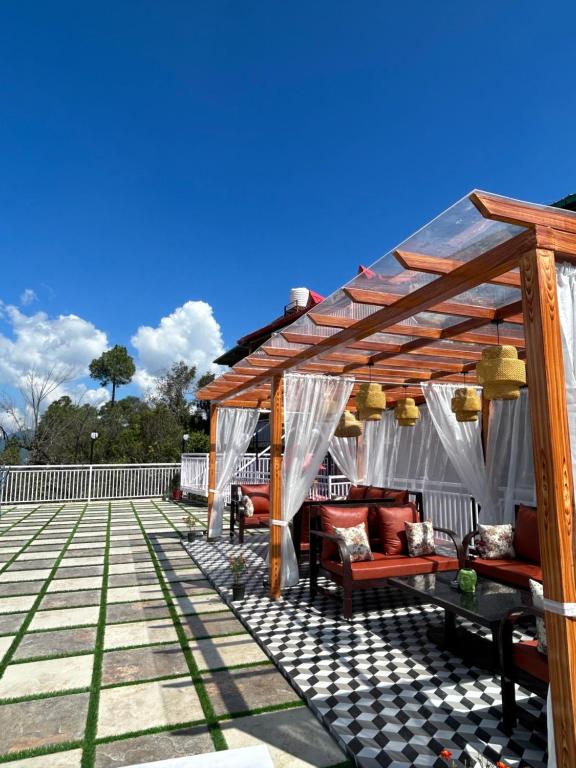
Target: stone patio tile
x=5 y=643
x=124 y=549
x=67 y=561
x=63 y=585
x=14 y=604
x=143 y=664
x=128 y=557
x=72 y=758
x=147 y=705
x=294 y=737
x=65 y=617
x=211 y=624
x=132 y=594
x=80 y=552
x=79 y=572
x=32 y=724
x=159 y=746
x=199 y=604
x=10 y=624
x=197 y=586
x=56 y=642
x=132 y=579
x=29 y=555
x=32 y=565
x=70 y=599
x=140 y=633
x=141 y=610
x=44 y=676
x=242 y=689
x=7 y=551
x=131 y=567
x=28 y=575
x=21 y=588
x=226 y=651
x=183 y=575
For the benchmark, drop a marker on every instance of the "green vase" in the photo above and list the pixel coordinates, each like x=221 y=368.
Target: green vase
x=467 y=579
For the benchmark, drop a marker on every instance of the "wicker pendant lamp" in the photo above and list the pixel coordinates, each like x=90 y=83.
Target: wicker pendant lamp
x=406 y=412
x=500 y=372
x=348 y=426
x=466 y=404
x=370 y=401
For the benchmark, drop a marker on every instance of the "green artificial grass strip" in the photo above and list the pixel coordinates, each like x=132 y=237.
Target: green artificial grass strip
x=89 y=746
x=158 y=679
x=296 y=704
x=31 y=612
x=151 y=731
x=58 y=629
x=234 y=667
x=44 y=695
x=49 y=656
x=216 y=734
x=25 y=546
x=52 y=749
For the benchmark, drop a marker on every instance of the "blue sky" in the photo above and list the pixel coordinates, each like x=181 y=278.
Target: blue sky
x=155 y=154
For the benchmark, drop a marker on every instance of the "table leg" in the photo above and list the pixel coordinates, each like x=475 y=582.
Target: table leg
x=450 y=633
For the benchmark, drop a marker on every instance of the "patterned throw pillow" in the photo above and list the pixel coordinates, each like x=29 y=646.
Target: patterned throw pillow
x=420 y=538
x=247 y=506
x=356 y=541
x=537 y=592
x=495 y=542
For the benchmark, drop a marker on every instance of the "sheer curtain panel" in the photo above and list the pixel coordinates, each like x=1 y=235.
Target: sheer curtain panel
x=234 y=430
x=463 y=443
x=347 y=453
x=312 y=409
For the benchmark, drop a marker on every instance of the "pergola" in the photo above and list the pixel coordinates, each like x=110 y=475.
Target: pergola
x=481 y=273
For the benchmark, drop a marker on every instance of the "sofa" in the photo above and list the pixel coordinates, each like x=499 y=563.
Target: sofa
x=384 y=522
x=260 y=497
x=525 y=565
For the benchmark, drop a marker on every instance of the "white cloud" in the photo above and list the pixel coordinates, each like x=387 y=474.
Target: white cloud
x=28 y=296
x=190 y=333
x=41 y=344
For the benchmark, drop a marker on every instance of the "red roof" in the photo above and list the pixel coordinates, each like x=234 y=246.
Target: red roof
x=284 y=320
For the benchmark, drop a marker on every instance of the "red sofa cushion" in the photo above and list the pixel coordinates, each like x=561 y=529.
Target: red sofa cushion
x=256 y=520
x=391 y=521
x=399 y=497
x=339 y=517
x=525 y=655
x=385 y=566
x=260 y=496
x=526 y=542
x=515 y=572
x=357 y=492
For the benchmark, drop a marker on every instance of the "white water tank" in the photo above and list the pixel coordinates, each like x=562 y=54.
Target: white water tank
x=299 y=296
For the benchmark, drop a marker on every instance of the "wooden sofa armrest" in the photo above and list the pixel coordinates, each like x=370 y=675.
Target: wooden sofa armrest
x=339 y=541
x=507 y=627
x=460 y=552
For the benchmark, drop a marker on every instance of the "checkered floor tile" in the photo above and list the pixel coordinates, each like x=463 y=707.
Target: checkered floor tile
x=388 y=696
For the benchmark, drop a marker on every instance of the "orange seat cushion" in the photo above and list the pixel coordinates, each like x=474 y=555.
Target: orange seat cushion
x=526 y=542
x=357 y=492
x=525 y=655
x=385 y=566
x=515 y=572
x=392 y=532
x=260 y=497
x=256 y=520
x=339 y=517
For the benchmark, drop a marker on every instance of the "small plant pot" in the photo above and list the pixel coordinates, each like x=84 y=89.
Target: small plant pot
x=177 y=494
x=238 y=591
x=192 y=536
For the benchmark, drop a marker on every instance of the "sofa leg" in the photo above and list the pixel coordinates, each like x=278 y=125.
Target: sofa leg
x=241 y=533
x=347 y=605
x=509 y=717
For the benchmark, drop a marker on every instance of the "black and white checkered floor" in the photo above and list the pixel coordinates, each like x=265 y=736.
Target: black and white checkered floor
x=385 y=693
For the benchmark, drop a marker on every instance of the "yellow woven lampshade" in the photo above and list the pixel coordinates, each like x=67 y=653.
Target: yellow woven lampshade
x=466 y=404
x=348 y=426
x=501 y=373
x=370 y=401
x=406 y=413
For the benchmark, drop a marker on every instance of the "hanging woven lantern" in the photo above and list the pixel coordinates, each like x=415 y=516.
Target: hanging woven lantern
x=406 y=413
x=466 y=404
x=501 y=373
x=348 y=426
x=370 y=401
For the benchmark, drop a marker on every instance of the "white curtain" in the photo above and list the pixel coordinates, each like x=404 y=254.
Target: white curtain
x=462 y=442
x=312 y=408
x=347 y=452
x=509 y=460
x=234 y=429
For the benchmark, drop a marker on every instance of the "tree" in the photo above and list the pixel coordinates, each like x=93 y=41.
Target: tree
x=114 y=367
x=200 y=420
x=64 y=431
x=174 y=389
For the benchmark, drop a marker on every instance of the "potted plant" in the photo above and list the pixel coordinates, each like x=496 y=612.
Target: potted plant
x=175 y=490
x=190 y=521
x=238 y=566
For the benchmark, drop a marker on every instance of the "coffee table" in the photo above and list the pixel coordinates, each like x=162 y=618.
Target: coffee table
x=486 y=607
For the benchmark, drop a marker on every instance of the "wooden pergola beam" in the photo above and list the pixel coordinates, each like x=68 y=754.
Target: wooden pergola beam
x=276 y=423
x=435 y=265
x=522 y=214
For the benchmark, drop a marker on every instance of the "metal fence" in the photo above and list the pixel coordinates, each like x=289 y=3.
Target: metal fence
x=86 y=482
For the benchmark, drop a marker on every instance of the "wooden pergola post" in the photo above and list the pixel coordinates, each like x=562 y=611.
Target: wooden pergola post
x=212 y=459
x=276 y=420
x=554 y=486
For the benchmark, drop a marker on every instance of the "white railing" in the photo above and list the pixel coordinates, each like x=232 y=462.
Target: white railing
x=85 y=482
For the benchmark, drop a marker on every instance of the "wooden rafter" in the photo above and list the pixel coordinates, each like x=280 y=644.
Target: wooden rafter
x=523 y=214
x=435 y=265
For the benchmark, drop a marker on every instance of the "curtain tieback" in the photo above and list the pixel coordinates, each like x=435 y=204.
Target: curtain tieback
x=562 y=609
x=213 y=490
x=281 y=523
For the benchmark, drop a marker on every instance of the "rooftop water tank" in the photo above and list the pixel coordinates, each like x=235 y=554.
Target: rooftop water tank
x=299 y=296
